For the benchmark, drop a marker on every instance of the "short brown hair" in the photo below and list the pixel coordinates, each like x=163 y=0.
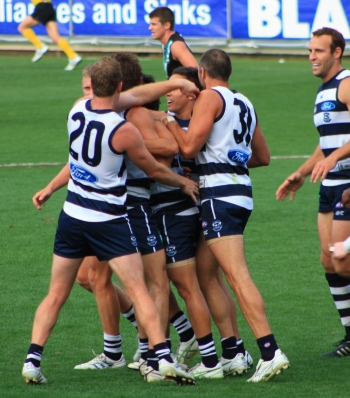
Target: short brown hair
x=217 y=64
x=337 y=38
x=106 y=74
x=132 y=72
x=165 y=14
x=86 y=72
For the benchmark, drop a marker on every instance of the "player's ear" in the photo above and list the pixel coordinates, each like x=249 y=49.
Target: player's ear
x=167 y=25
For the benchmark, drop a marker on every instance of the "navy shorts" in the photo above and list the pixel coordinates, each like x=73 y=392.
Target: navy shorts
x=330 y=200
x=105 y=240
x=145 y=228
x=44 y=13
x=221 y=218
x=180 y=236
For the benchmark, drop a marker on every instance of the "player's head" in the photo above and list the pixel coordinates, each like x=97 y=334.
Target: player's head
x=165 y=15
x=161 y=23
x=326 y=48
x=154 y=105
x=337 y=39
x=132 y=71
x=106 y=77
x=216 y=64
x=86 y=81
x=178 y=103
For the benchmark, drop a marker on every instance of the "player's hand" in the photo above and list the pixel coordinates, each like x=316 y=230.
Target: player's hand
x=345 y=198
x=339 y=252
x=189 y=88
x=322 y=168
x=190 y=188
x=290 y=186
x=41 y=197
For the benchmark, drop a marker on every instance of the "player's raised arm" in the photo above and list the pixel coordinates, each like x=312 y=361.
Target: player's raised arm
x=143 y=94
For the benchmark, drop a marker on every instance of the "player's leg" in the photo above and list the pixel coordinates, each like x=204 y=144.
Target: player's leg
x=129 y=270
x=240 y=345
x=52 y=31
x=63 y=274
x=330 y=217
x=231 y=360
x=100 y=279
x=25 y=29
x=185 y=280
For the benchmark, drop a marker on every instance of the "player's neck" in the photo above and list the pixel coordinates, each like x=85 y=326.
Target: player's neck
x=165 y=38
x=209 y=83
x=334 y=71
x=100 y=103
x=185 y=114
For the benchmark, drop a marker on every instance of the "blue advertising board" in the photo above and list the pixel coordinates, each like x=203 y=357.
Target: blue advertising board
x=196 y=18
x=287 y=19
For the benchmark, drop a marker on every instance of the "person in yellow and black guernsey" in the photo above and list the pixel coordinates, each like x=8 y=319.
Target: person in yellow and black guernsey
x=45 y=14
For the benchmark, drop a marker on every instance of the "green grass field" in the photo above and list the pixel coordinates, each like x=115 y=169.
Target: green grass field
x=281 y=242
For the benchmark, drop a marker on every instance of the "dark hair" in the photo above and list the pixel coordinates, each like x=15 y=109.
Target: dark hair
x=132 y=72
x=106 y=74
x=165 y=14
x=154 y=105
x=337 y=38
x=190 y=73
x=216 y=63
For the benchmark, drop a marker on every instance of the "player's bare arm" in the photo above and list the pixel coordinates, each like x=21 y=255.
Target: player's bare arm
x=129 y=140
x=206 y=108
x=181 y=53
x=61 y=179
x=142 y=94
x=292 y=183
x=260 y=151
x=324 y=166
x=163 y=147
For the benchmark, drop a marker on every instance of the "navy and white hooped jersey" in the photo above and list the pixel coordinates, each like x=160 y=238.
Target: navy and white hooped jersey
x=332 y=119
x=138 y=184
x=96 y=189
x=172 y=200
x=222 y=162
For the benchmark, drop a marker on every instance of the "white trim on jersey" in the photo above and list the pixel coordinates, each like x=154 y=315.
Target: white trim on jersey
x=334 y=183
x=343 y=74
x=333 y=118
x=326 y=95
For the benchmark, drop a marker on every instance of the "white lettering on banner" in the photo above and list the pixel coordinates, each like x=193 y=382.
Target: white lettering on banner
x=78 y=13
x=20 y=12
x=292 y=28
x=115 y=13
x=185 y=13
x=331 y=14
x=8 y=11
x=264 y=20
x=63 y=13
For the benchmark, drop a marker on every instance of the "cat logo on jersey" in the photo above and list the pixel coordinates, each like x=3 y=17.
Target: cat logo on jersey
x=133 y=240
x=238 y=156
x=217 y=225
x=151 y=240
x=204 y=224
x=171 y=250
x=339 y=205
x=326 y=117
x=79 y=173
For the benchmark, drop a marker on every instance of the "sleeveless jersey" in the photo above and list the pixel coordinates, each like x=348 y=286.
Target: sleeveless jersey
x=168 y=61
x=332 y=119
x=171 y=200
x=96 y=189
x=138 y=184
x=222 y=162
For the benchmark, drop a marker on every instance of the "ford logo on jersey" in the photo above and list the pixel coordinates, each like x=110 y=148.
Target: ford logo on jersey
x=327 y=106
x=238 y=156
x=80 y=173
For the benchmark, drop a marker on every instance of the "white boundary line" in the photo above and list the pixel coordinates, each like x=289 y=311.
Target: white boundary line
x=10 y=165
